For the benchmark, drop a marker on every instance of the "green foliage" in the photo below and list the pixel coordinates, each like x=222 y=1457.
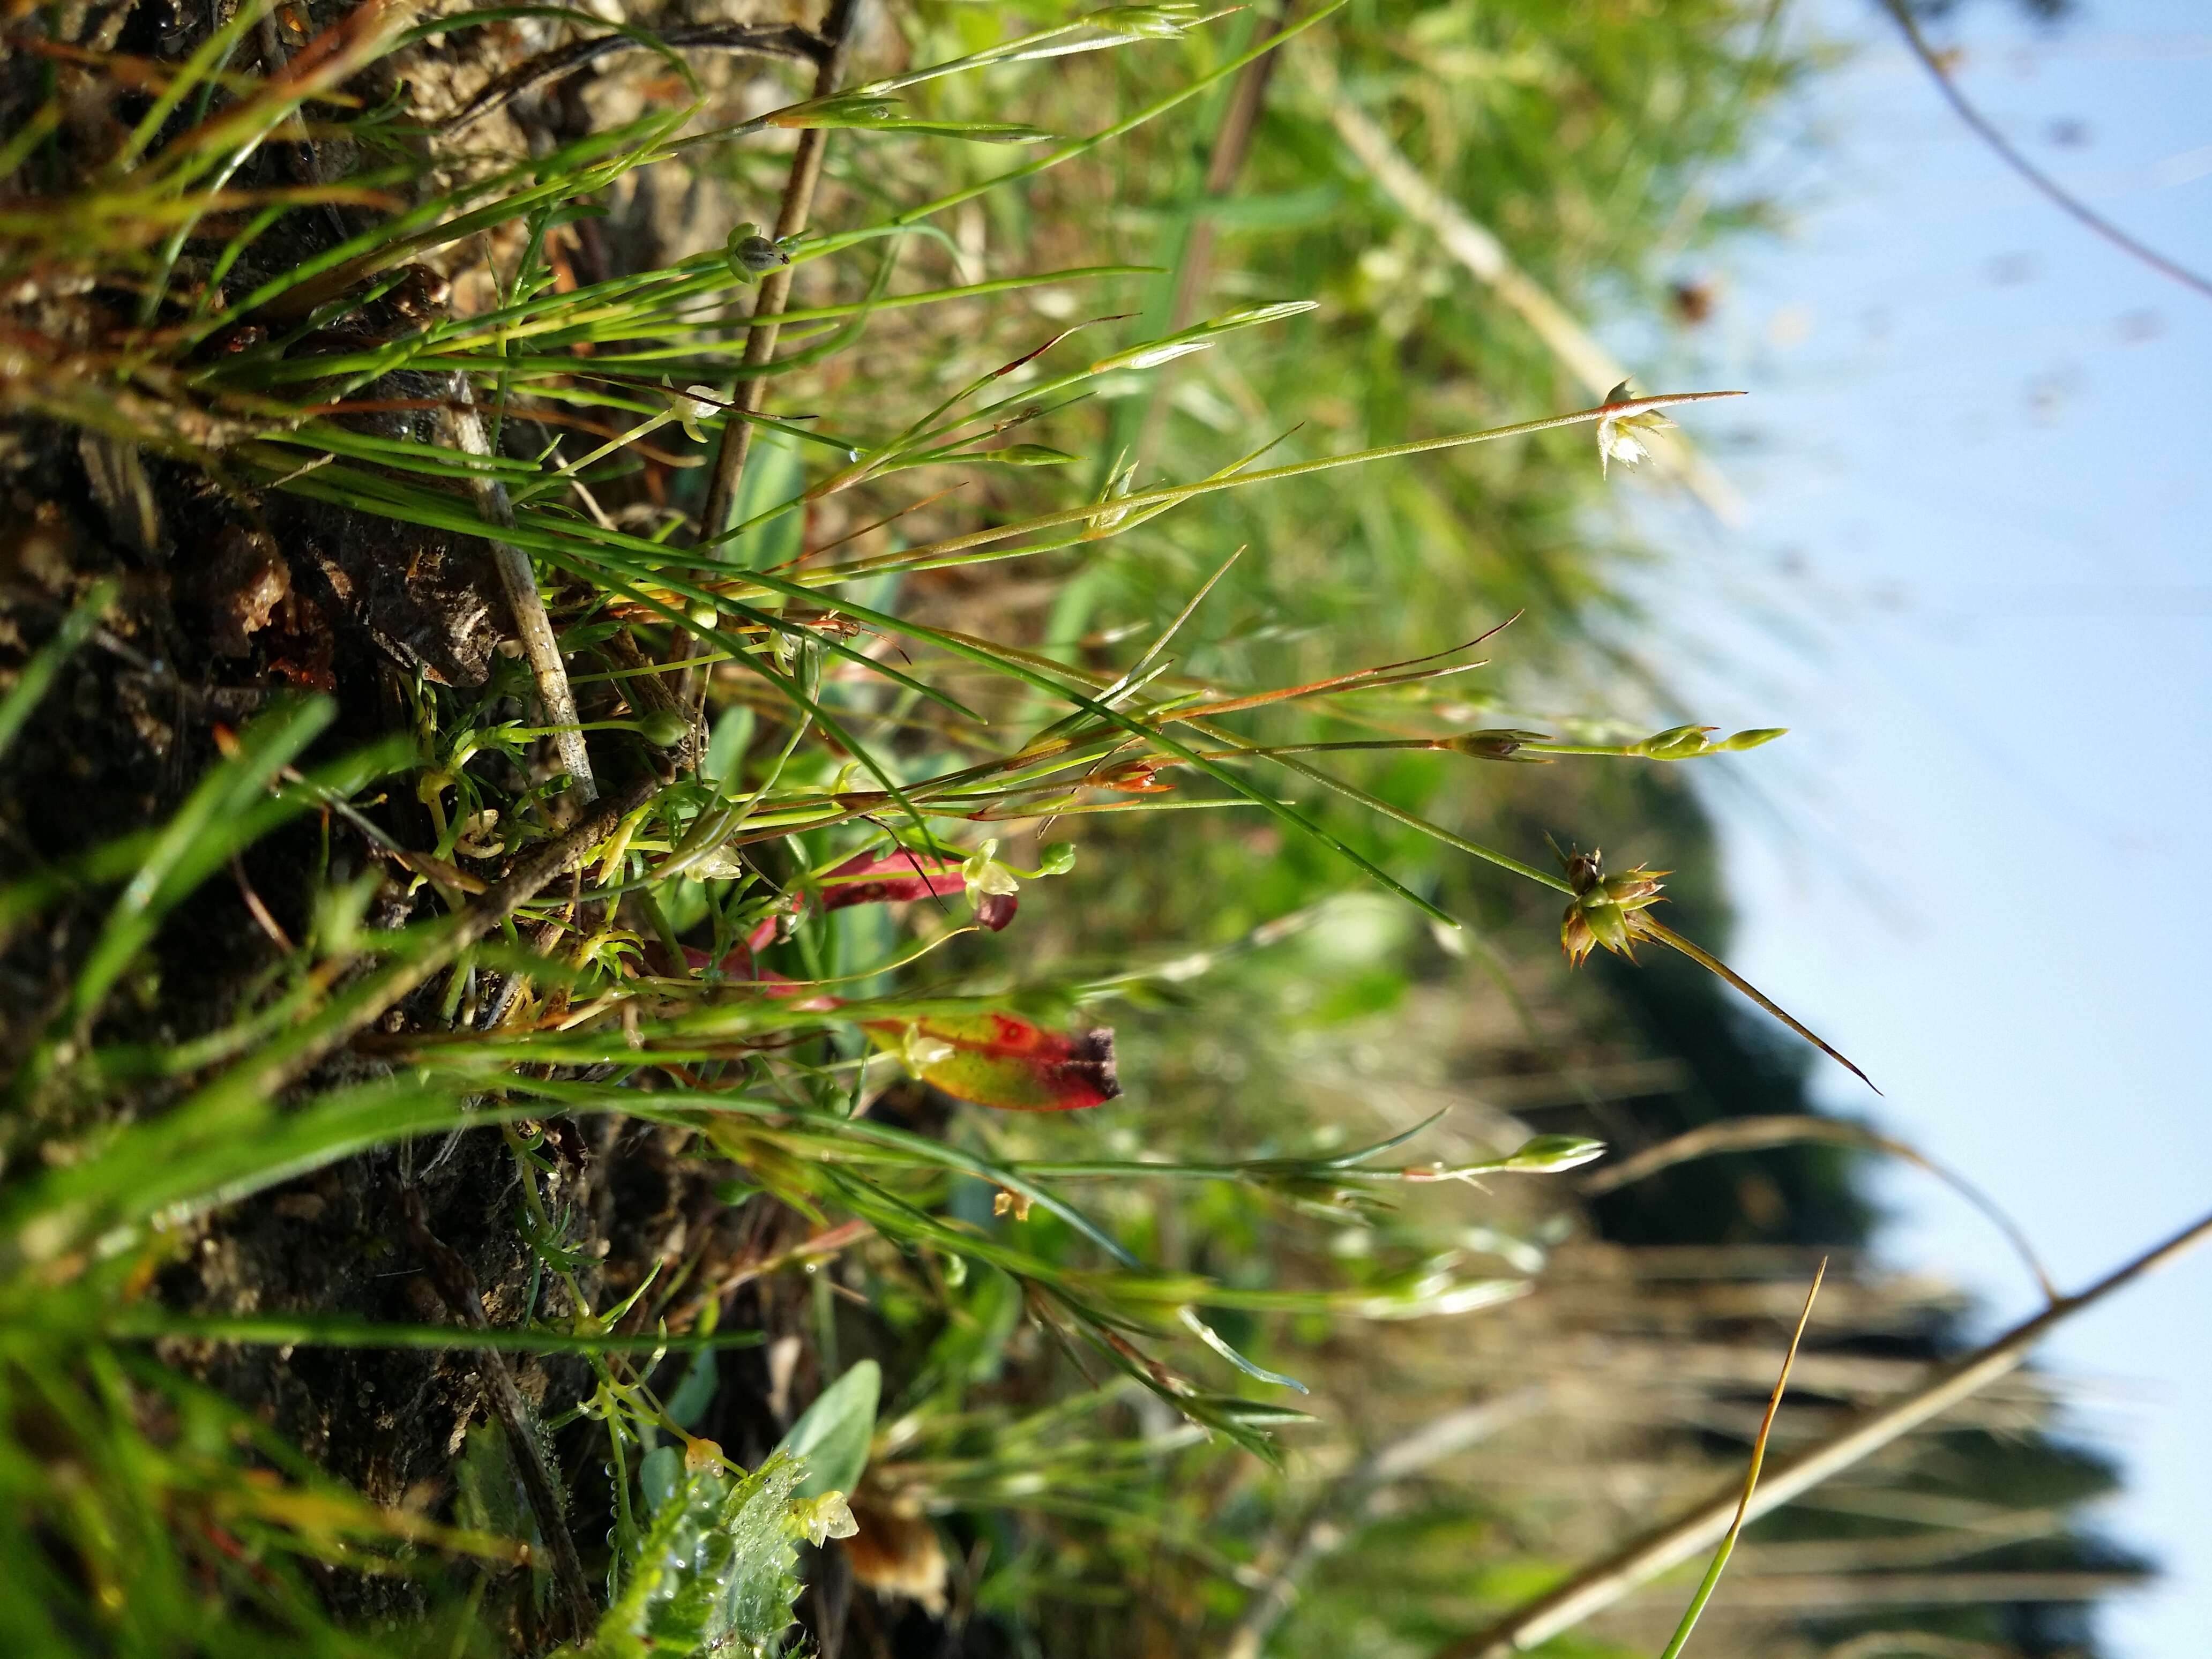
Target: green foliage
x=831 y=1437
x=713 y=1572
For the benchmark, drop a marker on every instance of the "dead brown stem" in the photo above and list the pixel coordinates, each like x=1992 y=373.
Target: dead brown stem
x=841 y=30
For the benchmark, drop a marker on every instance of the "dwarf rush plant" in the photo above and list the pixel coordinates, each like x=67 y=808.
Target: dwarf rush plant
x=550 y=496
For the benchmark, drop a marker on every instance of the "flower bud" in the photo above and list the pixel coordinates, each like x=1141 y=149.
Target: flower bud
x=1676 y=743
x=701 y=1454
x=1753 y=738
x=1136 y=777
x=1057 y=859
x=838 y=109
x=1162 y=23
x=1150 y=356
x=1252 y=315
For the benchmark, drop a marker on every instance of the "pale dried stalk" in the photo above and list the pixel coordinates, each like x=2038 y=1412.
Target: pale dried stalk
x=1605 y=1582
x=531 y=625
x=1816 y=1593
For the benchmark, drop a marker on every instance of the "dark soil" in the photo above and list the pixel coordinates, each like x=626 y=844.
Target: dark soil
x=229 y=599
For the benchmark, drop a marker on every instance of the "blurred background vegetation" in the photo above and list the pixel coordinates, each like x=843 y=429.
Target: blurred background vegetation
x=1595 y=143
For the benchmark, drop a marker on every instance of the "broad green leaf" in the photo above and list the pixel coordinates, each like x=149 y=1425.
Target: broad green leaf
x=712 y=1574
x=832 y=1436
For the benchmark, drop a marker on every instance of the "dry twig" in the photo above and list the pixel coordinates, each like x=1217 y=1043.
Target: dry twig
x=792 y=216
x=2010 y=154
x=1605 y=1582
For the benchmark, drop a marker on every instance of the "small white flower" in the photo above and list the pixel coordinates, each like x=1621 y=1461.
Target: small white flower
x=1618 y=435
x=984 y=874
x=695 y=404
x=919 y=1051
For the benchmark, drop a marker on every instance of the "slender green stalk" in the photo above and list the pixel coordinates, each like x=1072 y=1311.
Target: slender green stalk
x=1719 y=1564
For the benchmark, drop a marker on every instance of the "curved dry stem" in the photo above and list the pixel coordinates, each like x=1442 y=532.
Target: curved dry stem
x=1744 y=1134
x=1712 y=1578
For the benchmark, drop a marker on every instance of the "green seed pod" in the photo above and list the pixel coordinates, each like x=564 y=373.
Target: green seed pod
x=1548 y=1154
x=1676 y=743
x=1163 y=22
x=1607 y=920
x=665 y=728
x=752 y=255
x=1499 y=745
x=1057 y=859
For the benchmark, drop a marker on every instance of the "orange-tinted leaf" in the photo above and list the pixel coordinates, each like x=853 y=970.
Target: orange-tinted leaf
x=1001 y=1060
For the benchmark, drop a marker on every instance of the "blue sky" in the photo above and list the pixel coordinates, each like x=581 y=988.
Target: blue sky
x=1978 y=585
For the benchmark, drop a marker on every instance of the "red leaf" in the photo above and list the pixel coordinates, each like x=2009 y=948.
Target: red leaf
x=900 y=876
x=991 y=1059
x=1004 y=1061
